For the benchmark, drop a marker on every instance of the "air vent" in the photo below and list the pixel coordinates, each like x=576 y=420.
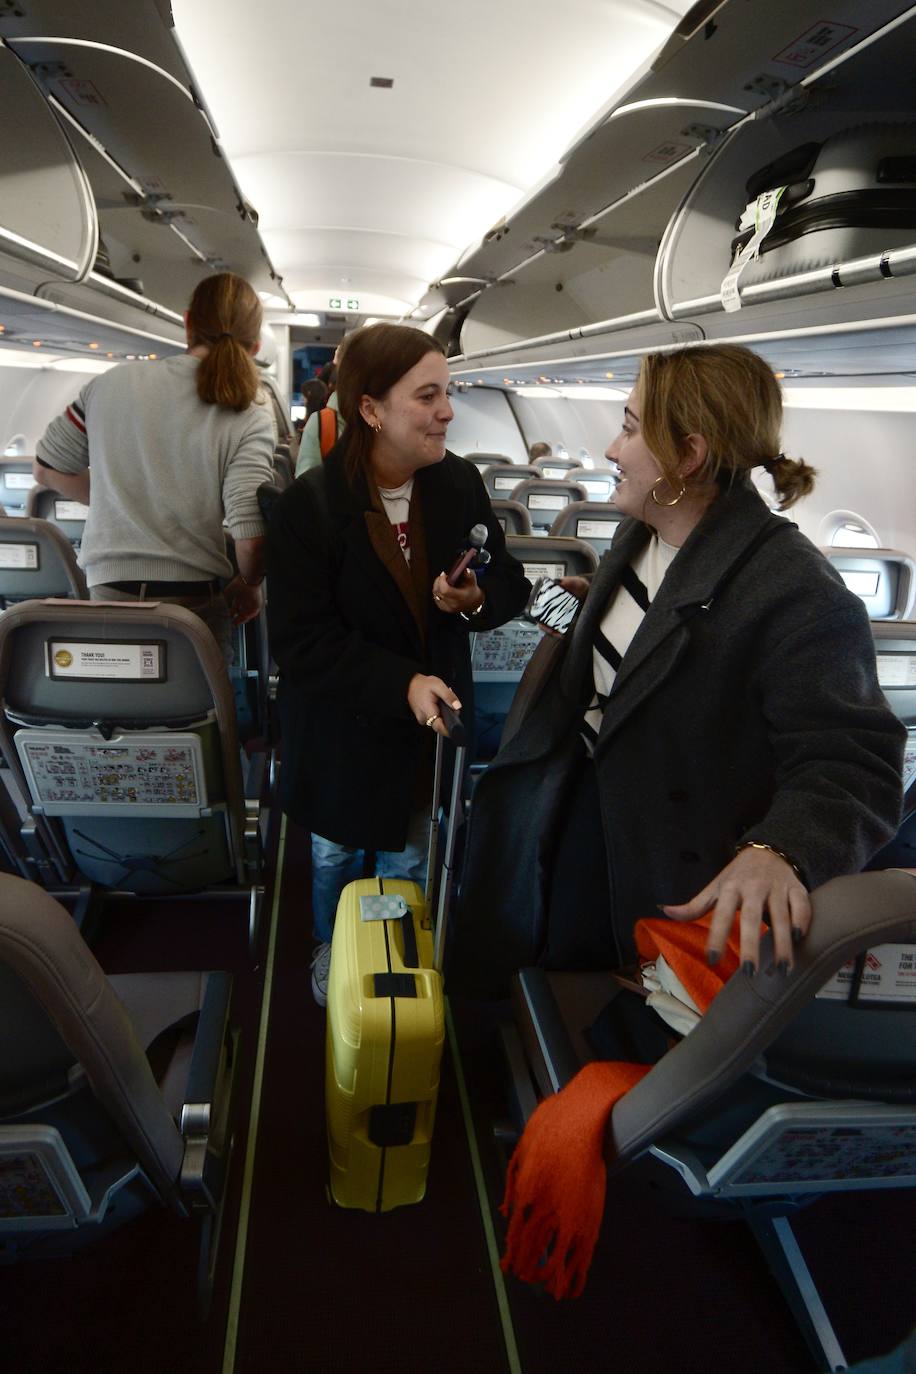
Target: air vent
x=335 y=319
x=385 y=82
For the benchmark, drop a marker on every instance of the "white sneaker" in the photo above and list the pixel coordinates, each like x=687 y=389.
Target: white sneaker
x=321 y=964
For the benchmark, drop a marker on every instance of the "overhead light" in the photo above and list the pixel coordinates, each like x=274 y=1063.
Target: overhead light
x=587 y=391
x=582 y=391
x=888 y=398
x=21 y=357
x=36 y=343
x=80 y=365
x=305 y=318
x=93 y=345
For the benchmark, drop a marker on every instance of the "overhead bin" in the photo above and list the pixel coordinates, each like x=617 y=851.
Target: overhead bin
x=847 y=218
x=47 y=217
x=172 y=174
x=583 y=243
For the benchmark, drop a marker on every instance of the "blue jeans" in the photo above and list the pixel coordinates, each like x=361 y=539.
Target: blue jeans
x=335 y=865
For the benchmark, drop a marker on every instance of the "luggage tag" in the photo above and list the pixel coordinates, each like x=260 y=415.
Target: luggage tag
x=377 y=906
x=761 y=216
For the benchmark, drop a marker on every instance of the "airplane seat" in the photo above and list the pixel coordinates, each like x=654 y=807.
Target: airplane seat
x=895 y=651
x=37 y=560
x=117 y=725
x=600 y=483
x=68 y=516
x=512 y=516
x=546 y=498
x=501 y=479
x=786 y=1089
x=114 y=1092
x=499 y=657
x=488 y=460
x=555 y=469
x=16 y=482
x=593 y=521
x=884 y=579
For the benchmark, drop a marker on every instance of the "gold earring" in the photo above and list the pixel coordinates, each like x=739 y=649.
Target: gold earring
x=377 y=427
x=677 y=498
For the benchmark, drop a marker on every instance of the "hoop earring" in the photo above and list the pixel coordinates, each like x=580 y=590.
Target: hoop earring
x=682 y=492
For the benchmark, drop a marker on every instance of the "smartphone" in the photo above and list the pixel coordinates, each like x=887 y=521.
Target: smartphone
x=551 y=606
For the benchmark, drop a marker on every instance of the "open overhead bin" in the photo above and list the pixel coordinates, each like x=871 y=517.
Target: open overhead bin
x=627 y=244
x=165 y=208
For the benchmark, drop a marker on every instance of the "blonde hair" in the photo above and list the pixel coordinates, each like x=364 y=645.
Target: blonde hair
x=728 y=395
x=225 y=314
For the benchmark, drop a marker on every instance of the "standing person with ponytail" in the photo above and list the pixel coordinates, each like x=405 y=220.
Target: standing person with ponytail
x=177 y=448
x=714 y=739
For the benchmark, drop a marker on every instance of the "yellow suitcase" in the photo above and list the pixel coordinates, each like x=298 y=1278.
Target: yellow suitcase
x=385 y=1030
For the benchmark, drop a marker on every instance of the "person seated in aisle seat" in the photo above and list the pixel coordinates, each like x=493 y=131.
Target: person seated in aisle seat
x=539 y=450
x=714 y=738
x=178 y=448
x=368 y=634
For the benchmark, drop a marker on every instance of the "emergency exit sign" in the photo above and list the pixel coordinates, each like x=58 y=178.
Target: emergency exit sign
x=335 y=303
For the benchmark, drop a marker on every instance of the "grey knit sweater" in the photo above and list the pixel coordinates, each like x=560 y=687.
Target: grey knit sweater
x=168 y=471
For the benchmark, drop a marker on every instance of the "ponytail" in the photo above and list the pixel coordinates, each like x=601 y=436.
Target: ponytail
x=792 y=478
x=225 y=315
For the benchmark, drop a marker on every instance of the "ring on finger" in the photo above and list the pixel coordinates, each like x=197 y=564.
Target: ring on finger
x=431 y=721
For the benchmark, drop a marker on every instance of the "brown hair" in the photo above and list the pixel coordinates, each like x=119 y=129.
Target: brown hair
x=728 y=395
x=369 y=364
x=225 y=315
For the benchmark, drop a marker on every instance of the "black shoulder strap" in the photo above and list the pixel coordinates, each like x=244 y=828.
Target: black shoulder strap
x=759 y=539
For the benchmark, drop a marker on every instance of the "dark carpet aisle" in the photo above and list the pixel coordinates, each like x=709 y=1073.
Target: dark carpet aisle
x=332 y=1291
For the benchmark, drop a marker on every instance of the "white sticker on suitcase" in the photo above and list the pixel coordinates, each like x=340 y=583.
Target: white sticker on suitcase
x=380 y=907
x=762 y=215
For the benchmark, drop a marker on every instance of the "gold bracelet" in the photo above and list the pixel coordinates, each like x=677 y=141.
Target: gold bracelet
x=758 y=844
x=469 y=615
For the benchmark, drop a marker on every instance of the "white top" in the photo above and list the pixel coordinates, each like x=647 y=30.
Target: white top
x=396 y=501
x=621 y=620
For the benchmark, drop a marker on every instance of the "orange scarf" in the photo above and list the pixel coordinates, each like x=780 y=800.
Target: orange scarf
x=556 y=1183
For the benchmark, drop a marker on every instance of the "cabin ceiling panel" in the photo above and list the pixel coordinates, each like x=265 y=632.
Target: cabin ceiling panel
x=345 y=256
x=474 y=116
x=518 y=67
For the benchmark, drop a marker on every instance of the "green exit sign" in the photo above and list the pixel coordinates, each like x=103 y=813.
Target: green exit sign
x=334 y=303
x=352 y=304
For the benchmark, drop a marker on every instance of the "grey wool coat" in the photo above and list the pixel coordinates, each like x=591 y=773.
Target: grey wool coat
x=747 y=708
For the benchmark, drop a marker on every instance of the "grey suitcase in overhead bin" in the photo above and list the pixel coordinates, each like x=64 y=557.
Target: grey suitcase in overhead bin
x=854 y=195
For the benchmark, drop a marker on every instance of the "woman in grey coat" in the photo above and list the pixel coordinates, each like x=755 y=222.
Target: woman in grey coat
x=715 y=738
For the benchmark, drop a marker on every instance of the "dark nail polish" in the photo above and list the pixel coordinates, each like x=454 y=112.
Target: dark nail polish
x=713 y=956
x=797 y=935
x=783 y=967
x=748 y=969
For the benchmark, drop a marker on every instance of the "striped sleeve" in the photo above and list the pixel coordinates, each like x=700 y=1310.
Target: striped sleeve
x=64 y=445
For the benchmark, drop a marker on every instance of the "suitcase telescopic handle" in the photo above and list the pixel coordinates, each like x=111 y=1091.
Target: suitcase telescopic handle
x=454 y=725
x=457 y=736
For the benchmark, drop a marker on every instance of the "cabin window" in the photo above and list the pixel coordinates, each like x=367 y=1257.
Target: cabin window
x=846 y=529
x=15 y=447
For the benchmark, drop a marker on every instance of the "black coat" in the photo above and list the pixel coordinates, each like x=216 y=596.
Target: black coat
x=747 y=708
x=347 y=630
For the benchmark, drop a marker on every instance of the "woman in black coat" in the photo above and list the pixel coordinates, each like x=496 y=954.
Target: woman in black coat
x=715 y=737
x=369 y=636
